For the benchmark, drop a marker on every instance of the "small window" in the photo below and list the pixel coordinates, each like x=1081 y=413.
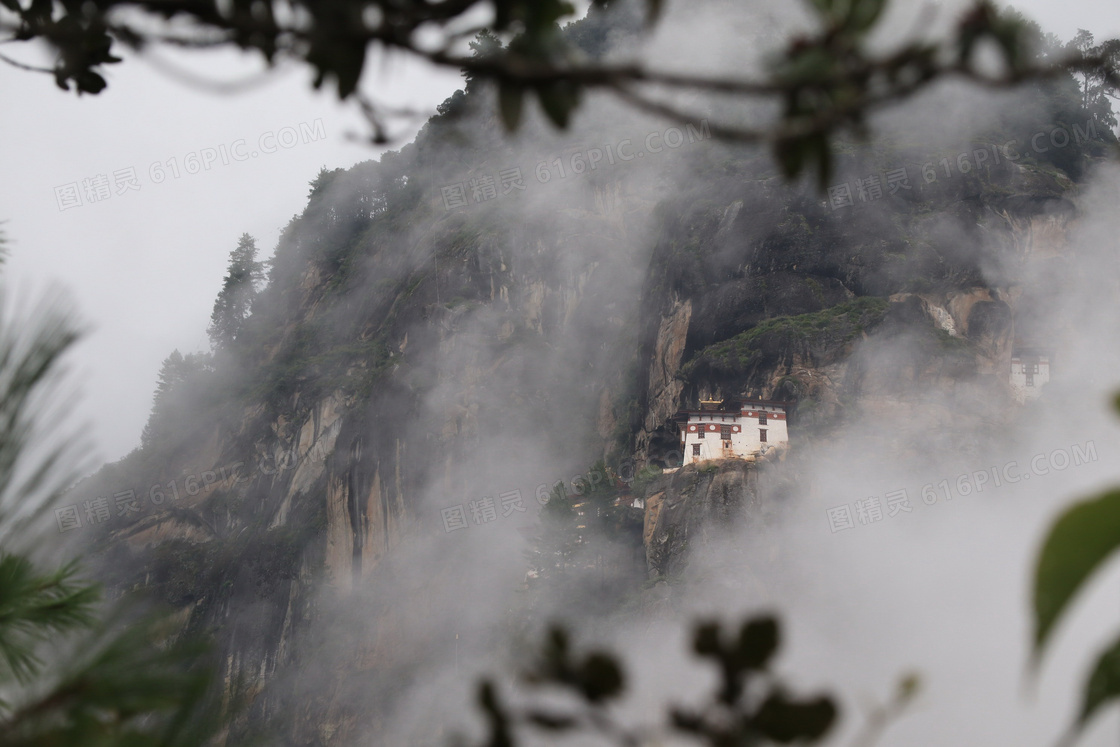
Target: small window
x=762 y=418
x=696 y=450
x=762 y=435
x=725 y=432
x=700 y=432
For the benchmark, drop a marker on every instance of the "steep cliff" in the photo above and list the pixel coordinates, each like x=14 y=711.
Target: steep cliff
x=407 y=359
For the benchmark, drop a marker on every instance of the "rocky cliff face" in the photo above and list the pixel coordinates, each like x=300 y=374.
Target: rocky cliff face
x=777 y=303
x=406 y=359
x=685 y=508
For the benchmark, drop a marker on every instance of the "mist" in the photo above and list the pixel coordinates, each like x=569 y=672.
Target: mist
x=454 y=327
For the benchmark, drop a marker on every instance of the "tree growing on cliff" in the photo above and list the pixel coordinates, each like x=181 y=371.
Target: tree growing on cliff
x=235 y=300
x=171 y=403
x=1097 y=88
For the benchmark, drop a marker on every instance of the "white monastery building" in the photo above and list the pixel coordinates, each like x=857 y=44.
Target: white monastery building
x=735 y=430
x=1030 y=370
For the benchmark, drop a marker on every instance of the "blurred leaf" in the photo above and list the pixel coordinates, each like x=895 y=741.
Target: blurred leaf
x=495 y=715
x=1103 y=684
x=1078 y=543
x=795 y=155
x=552 y=665
x=558 y=100
x=862 y=14
x=705 y=641
x=785 y=720
x=345 y=61
x=35 y=607
x=87 y=81
x=820 y=149
x=1012 y=36
x=824 y=7
x=908 y=686
x=791 y=154
x=803 y=66
x=503 y=14
x=600 y=677
x=129 y=686
x=510 y=97
x=686 y=721
x=758 y=640
x=556 y=649
x=550 y=722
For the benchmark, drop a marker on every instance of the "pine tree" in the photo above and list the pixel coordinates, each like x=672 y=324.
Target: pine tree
x=485 y=45
x=169 y=401
x=68 y=674
x=169 y=373
x=235 y=301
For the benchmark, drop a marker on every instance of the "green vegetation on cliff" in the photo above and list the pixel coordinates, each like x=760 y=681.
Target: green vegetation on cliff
x=822 y=333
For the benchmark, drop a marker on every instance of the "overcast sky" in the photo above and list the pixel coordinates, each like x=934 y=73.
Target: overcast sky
x=143 y=266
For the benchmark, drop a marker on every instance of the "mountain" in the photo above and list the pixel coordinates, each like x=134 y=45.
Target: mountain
x=345 y=495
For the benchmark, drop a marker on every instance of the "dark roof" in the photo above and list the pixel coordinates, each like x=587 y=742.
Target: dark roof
x=1026 y=350
x=742 y=405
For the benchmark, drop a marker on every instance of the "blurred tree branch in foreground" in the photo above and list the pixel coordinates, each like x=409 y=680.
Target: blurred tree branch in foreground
x=750 y=705
x=824 y=83
x=71 y=671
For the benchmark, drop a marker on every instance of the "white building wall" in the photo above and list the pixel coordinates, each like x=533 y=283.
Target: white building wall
x=1020 y=387
x=745 y=439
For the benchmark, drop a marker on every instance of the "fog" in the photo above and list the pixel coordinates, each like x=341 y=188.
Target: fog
x=941 y=589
